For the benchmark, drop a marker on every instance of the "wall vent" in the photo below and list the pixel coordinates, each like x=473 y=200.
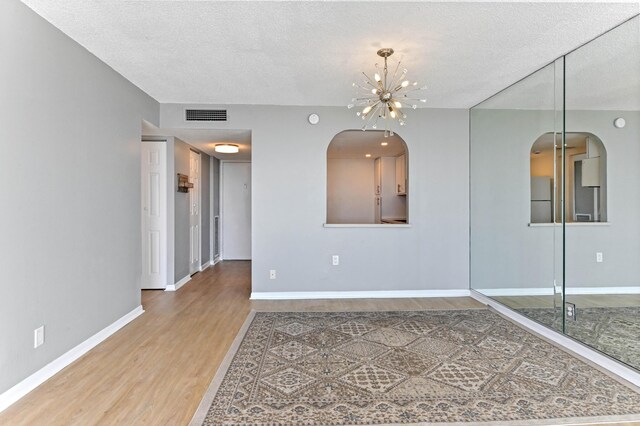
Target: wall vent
x=216 y=236
x=206 y=115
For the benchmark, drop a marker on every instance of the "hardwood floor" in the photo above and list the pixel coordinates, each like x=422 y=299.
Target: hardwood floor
x=156 y=369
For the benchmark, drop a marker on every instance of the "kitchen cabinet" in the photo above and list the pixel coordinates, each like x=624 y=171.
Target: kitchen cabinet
x=401 y=175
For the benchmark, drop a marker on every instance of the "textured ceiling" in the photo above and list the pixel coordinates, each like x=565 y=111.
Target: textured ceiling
x=308 y=53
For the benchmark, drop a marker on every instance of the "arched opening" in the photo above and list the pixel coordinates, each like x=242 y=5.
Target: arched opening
x=586 y=178
x=367 y=178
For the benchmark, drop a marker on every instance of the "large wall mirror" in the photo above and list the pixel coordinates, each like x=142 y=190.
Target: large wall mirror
x=560 y=243
x=367 y=179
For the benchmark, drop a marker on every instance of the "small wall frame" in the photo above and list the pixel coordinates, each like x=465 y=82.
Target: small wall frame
x=183 y=183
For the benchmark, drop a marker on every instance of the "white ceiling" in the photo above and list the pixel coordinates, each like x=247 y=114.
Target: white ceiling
x=309 y=52
x=356 y=144
x=206 y=139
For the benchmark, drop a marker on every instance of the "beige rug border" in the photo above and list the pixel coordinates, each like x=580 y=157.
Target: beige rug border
x=201 y=413
x=207 y=400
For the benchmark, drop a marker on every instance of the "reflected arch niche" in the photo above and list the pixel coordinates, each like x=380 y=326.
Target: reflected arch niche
x=585 y=168
x=367 y=178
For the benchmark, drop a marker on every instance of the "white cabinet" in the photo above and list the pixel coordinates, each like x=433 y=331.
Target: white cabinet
x=401 y=175
x=591 y=172
x=394 y=206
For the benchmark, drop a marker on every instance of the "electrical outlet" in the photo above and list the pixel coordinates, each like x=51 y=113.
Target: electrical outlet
x=272 y=274
x=571 y=310
x=335 y=260
x=38 y=336
x=599 y=257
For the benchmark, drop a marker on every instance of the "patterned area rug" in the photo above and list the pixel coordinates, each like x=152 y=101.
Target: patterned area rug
x=614 y=331
x=373 y=368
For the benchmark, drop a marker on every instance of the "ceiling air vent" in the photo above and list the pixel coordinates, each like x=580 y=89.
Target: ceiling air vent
x=206 y=115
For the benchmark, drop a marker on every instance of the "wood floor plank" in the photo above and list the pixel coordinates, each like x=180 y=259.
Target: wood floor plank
x=155 y=370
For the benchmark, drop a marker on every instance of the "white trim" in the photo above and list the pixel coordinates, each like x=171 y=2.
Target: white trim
x=176 y=286
x=541 y=291
x=548 y=291
x=394 y=294
x=215 y=260
x=602 y=290
x=574 y=346
x=205 y=266
x=569 y=224
x=366 y=225
x=36 y=379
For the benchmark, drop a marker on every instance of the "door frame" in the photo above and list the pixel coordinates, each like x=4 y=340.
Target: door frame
x=199 y=189
x=221 y=191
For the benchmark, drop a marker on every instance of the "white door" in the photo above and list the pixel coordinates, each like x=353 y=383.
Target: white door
x=236 y=210
x=194 y=213
x=154 y=215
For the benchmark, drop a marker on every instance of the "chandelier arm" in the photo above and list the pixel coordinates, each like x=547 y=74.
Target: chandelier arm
x=396 y=84
x=395 y=73
x=369 y=80
x=374 y=112
x=361 y=87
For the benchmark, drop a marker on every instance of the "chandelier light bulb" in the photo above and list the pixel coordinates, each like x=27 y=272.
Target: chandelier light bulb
x=397 y=104
x=366 y=110
x=377 y=77
x=405 y=83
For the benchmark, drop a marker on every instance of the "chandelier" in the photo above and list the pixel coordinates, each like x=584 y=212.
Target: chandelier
x=385 y=96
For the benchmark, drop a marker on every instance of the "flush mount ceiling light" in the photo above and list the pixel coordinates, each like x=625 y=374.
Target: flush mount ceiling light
x=226 y=148
x=384 y=96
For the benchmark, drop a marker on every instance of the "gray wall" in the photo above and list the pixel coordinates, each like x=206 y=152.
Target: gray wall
x=181 y=203
x=182 y=214
x=205 y=202
x=350 y=190
x=505 y=252
x=70 y=251
x=289 y=203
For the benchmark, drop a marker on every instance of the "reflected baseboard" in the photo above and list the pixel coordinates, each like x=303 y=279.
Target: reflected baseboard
x=548 y=291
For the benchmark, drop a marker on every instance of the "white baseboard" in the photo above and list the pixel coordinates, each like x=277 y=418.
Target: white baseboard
x=176 y=286
x=603 y=290
x=548 y=291
x=393 y=294
x=36 y=379
x=215 y=260
x=543 y=291
x=574 y=346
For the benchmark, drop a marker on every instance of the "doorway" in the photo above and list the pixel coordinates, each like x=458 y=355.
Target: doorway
x=154 y=214
x=235 y=200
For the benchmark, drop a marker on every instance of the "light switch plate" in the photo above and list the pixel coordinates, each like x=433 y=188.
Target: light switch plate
x=38 y=337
